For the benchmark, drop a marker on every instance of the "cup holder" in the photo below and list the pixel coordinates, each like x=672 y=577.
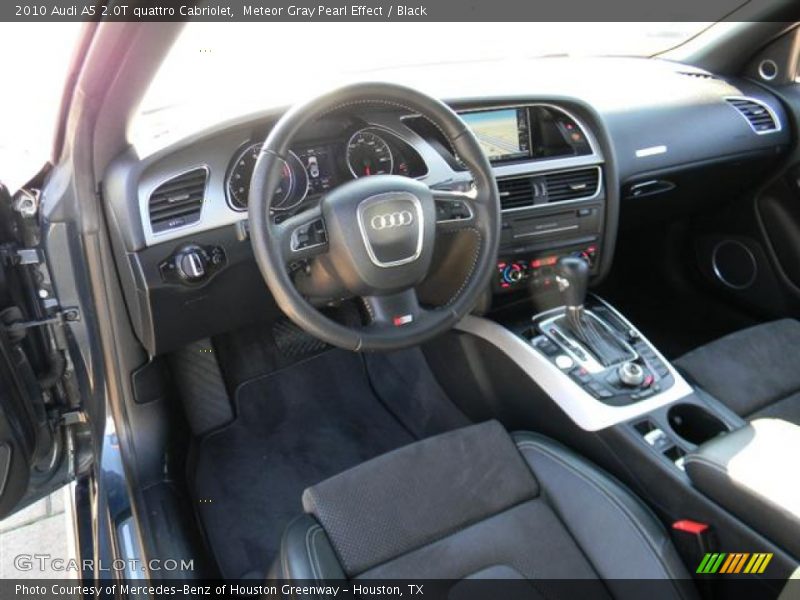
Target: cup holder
x=694 y=423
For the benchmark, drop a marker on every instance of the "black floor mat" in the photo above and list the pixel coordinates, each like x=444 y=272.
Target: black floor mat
x=260 y=349
x=294 y=427
x=404 y=382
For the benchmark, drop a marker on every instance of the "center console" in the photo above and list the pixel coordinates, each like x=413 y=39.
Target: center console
x=597 y=384
x=550 y=175
x=586 y=356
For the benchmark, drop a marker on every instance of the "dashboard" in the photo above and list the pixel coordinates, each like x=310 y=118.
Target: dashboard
x=566 y=162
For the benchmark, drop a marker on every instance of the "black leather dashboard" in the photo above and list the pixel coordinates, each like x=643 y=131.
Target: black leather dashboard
x=642 y=118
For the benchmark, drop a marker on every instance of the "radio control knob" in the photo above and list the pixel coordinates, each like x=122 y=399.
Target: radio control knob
x=631 y=374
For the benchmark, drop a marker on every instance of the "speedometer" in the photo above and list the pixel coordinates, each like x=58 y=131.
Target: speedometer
x=290 y=192
x=368 y=154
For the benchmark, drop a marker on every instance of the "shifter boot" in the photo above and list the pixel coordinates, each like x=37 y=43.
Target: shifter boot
x=601 y=342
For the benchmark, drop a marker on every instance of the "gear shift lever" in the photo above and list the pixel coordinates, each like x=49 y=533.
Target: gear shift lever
x=572 y=277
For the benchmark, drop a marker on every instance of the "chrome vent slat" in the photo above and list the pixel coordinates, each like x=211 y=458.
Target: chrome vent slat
x=180 y=184
x=759 y=116
x=173 y=211
x=178 y=201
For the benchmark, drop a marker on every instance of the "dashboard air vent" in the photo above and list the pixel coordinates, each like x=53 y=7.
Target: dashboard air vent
x=757 y=114
x=570 y=185
x=523 y=192
x=516 y=193
x=178 y=202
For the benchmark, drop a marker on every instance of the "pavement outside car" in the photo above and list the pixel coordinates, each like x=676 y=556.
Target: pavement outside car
x=41 y=528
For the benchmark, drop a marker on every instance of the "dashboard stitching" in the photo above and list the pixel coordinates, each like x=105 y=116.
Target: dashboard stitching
x=369 y=309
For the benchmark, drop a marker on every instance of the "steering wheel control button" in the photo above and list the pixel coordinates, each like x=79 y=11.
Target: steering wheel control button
x=564 y=362
x=452 y=210
x=631 y=374
x=309 y=235
x=391 y=226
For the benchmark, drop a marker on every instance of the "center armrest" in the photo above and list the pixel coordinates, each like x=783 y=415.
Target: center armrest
x=752 y=472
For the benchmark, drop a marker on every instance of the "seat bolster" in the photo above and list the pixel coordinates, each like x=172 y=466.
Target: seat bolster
x=306 y=553
x=749 y=370
x=619 y=534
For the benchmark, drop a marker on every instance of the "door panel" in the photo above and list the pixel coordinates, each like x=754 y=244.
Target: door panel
x=33 y=457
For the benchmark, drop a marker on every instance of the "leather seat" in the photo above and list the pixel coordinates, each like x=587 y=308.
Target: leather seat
x=478 y=503
x=754 y=371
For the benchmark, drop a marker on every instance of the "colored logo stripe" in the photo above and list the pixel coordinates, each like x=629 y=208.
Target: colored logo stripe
x=721 y=562
x=734 y=563
x=711 y=562
x=758 y=563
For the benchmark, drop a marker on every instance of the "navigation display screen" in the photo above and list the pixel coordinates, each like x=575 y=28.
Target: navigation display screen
x=503 y=134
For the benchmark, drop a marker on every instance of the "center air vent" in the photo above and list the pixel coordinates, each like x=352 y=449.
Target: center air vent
x=523 y=192
x=178 y=202
x=757 y=114
x=517 y=192
x=570 y=185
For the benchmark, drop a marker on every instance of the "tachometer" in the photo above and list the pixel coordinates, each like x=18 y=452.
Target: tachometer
x=290 y=192
x=368 y=154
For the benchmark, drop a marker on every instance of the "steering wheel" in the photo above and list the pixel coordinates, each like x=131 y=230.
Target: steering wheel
x=372 y=238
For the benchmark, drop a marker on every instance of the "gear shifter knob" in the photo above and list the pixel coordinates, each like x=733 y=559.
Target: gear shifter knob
x=572 y=276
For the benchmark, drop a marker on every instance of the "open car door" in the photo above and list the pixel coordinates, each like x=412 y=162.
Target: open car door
x=39 y=404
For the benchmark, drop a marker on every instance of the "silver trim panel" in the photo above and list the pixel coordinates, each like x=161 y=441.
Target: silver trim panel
x=585 y=411
x=144 y=206
x=762 y=104
x=764 y=65
x=721 y=276
x=215 y=155
x=651 y=151
x=551 y=171
x=367 y=202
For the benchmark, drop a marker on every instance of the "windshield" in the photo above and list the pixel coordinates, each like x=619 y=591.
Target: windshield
x=33 y=76
x=219 y=71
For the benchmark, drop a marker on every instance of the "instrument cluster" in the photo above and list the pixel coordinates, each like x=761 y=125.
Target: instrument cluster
x=312 y=169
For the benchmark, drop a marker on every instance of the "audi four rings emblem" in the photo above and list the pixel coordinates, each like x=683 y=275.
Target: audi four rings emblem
x=391 y=220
